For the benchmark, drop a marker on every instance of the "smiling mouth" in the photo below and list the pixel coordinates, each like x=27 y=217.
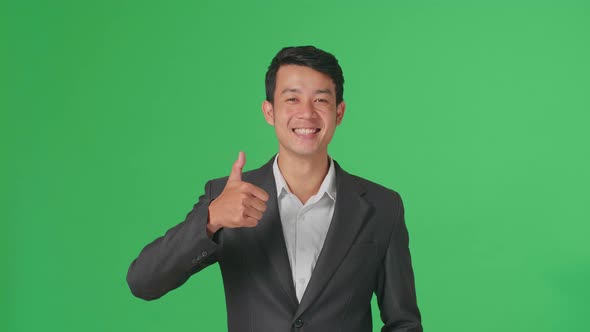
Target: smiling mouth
x=306 y=131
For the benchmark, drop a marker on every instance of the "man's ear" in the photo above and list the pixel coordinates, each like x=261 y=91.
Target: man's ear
x=268 y=112
x=340 y=109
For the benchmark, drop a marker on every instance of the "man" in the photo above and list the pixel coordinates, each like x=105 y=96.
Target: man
x=302 y=244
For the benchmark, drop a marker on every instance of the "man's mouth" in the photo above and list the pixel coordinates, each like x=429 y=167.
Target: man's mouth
x=306 y=131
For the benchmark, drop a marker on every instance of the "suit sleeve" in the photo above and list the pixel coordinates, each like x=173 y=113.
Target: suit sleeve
x=395 y=289
x=170 y=260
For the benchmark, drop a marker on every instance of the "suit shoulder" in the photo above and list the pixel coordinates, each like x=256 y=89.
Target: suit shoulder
x=375 y=189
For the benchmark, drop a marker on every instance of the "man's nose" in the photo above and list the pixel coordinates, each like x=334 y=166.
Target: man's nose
x=306 y=110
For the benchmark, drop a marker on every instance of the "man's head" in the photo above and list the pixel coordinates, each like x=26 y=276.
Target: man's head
x=304 y=87
x=308 y=56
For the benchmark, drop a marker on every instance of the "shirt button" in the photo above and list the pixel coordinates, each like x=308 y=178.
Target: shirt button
x=298 y=323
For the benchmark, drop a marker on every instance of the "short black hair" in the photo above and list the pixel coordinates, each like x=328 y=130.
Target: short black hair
x=308 y=56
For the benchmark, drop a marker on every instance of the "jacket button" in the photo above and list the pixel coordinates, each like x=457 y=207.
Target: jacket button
x=298 y=323
x=204 y=253
x=195 y=260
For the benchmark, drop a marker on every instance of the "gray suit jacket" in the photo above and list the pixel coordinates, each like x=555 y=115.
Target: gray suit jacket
x=365 y=252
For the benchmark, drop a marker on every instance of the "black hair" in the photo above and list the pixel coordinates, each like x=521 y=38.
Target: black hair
x=308 y=56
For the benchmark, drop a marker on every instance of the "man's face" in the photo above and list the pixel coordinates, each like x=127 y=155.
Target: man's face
x=304 y=112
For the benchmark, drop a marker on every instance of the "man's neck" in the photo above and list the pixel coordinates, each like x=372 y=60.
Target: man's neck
x=304 y=176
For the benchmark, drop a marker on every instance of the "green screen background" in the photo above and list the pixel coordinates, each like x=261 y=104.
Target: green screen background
x=115 y=113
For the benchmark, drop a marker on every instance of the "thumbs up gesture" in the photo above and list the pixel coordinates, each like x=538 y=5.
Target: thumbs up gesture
x=241 y=204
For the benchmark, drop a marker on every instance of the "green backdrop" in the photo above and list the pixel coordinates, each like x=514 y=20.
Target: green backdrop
x=115 y=113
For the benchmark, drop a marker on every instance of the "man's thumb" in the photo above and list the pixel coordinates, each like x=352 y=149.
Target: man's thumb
x=236 y=171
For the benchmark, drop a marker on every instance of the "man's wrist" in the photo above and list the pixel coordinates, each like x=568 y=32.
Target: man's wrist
x=212 y=228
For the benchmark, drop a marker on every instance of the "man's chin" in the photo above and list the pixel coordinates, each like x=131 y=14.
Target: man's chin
x=306 y=153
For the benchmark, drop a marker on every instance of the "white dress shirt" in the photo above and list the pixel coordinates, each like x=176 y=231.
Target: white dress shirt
x=305 y=225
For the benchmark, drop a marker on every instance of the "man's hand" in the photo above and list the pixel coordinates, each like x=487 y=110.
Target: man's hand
x=241 y=204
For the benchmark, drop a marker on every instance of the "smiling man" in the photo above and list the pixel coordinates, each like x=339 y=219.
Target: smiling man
x=302 y=244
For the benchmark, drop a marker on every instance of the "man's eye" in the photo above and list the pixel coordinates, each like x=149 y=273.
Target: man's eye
x=292 y=99
x=321 y=100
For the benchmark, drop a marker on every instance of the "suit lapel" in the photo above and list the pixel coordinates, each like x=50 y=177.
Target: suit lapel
x=350 y=213
x=269 y=232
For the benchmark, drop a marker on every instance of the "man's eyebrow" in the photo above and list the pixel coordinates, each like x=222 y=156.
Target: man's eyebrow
x=295 y=90
x=326 y=91
x=291 y=90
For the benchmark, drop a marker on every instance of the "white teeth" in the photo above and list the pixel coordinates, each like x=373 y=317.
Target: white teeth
x=304 y=131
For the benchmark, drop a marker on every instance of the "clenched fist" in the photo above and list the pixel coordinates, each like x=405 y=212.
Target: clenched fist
x=241 y=204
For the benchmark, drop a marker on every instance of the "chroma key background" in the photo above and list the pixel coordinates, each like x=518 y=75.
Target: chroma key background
x=113 y=114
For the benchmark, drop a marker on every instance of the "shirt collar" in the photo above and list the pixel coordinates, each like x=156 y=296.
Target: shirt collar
x=328 y=185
